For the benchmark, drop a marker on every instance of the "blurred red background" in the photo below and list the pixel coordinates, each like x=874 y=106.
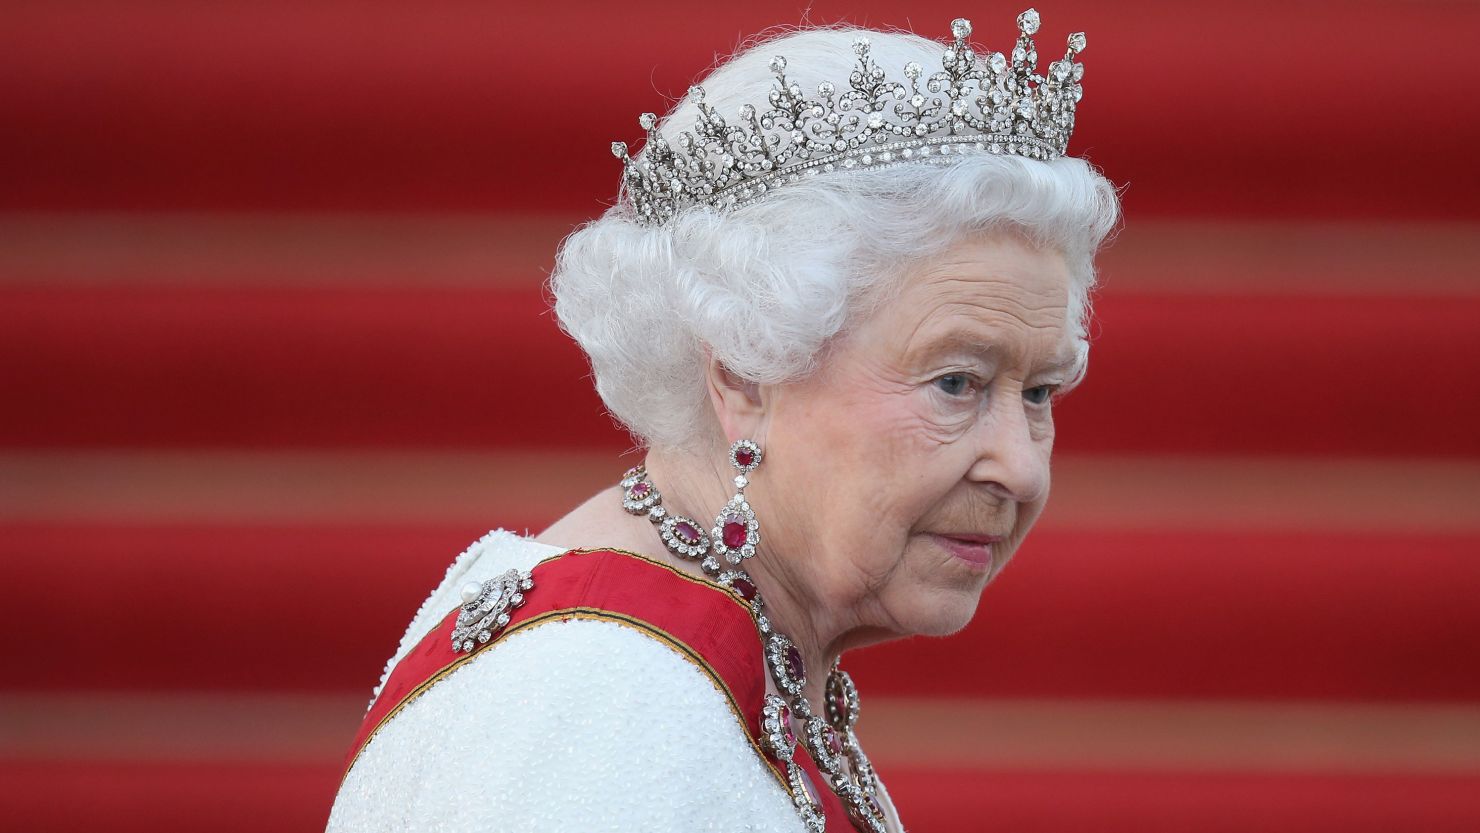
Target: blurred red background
x=274 y=348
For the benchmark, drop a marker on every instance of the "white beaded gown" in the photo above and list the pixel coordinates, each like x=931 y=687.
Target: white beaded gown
x=578 y=724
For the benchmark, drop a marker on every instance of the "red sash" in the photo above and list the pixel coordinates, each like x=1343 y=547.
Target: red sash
x=706 y=624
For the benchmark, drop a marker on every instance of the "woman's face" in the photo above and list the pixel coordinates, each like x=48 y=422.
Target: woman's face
x=902 y=476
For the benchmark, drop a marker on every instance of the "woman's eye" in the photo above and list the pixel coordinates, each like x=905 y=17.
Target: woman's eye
x=953 y=384
x=1039 y=395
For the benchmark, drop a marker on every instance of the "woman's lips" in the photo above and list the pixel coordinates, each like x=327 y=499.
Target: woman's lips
x=975 y=550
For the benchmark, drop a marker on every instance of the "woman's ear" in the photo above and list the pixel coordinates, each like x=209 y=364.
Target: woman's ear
x=739 y=404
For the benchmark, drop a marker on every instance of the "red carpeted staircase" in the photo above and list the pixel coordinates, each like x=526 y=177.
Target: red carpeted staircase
x=274 y=348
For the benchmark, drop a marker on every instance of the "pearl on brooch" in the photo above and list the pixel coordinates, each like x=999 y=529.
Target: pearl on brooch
x=471 y=591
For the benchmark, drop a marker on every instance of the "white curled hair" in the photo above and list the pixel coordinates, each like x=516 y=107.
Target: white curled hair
x=765 y=287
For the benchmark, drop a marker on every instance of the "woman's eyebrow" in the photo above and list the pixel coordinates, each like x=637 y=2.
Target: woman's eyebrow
x=978 y=344
x=966 y=341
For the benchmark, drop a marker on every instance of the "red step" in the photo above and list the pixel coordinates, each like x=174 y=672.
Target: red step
x=338 y=367
x=462 y=105
x=143 y=796
x=155 y=796
x=1149 y=615
x=110 y=366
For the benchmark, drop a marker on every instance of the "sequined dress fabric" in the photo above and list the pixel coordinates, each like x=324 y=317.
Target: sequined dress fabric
x=572 y=725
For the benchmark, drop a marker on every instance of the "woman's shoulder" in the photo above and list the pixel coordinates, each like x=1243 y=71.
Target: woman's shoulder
x=594 y=581
x=706 y=624
x=496 y=552
x=493 y=553
x=577 y=725
x=592 y=710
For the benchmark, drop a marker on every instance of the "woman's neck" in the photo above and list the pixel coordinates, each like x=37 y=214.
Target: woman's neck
x=697 y=487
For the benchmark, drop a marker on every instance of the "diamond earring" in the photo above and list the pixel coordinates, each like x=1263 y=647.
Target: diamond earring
x=736 y=533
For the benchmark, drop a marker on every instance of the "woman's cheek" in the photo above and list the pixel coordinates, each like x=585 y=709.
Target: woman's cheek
x=913 y=427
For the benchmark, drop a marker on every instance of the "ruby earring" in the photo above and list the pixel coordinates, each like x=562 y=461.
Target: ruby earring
x=736 y=534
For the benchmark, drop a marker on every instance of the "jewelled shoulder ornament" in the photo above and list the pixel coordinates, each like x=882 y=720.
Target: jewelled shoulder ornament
x=993 y=103
x=486 y=607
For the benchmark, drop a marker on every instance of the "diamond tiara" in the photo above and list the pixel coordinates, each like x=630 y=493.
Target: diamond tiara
x=992 y=103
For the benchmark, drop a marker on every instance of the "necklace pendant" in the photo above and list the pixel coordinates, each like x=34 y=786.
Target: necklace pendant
x=779 y=739
x=826 y=746
x=638 y=492
x=786 y=665
x=776 y=730
x=741 y=582
x=842 y=700
x=684 y=537
x=865 y=810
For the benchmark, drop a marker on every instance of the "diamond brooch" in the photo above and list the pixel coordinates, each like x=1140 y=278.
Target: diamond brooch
x=486 y=607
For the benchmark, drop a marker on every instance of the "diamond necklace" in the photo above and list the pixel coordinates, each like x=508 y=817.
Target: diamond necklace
x=831 y=741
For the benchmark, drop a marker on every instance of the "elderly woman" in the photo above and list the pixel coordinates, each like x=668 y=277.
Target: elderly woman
x=844 y=286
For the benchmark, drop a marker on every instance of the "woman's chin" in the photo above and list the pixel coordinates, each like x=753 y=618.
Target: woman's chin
x=943 y=613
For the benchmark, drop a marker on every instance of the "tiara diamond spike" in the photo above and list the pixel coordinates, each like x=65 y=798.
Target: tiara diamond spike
x=995 y=103
x=1028 y=22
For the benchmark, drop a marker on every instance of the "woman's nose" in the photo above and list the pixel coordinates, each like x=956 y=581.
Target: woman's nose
x=1011 y=461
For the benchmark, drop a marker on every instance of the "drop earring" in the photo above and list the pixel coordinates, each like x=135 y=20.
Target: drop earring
x=736 y=533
